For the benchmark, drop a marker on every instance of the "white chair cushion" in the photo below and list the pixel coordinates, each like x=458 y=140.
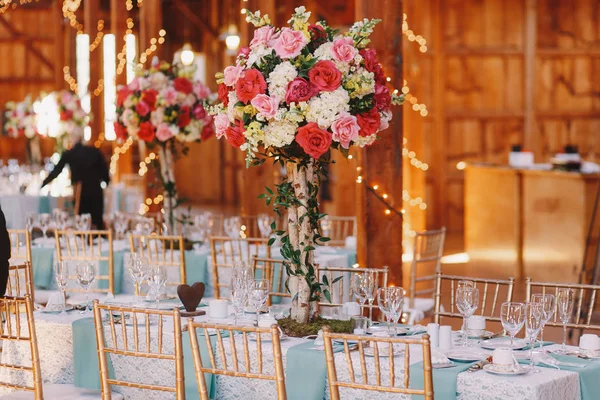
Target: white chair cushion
x=41 y=296
x=62 y=392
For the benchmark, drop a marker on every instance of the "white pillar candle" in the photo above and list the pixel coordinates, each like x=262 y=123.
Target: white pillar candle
x=218 y=309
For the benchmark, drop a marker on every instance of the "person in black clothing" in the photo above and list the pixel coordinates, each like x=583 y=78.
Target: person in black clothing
x=89 y=168
x=4 y=254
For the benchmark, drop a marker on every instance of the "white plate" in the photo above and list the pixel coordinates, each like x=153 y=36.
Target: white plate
x=466 y=355
x=593 y=354
x=492 y=369
x=383 y=328
x=492 y=344
x=484 y=335
x=265 y=337
x=383 y=352
x=68 y=307
x=341 y=342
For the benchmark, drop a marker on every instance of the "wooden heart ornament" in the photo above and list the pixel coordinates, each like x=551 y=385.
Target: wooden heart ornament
x=191 y=296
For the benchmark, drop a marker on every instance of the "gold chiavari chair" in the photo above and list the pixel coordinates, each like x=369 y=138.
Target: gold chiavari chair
x=381 y=344
x=236 y=367
x=585 y=303
x=168 y=251
x=110 y=318
x=78 y=246
x=492 y=293
x=338 y=229
x=225 y=251
x=20 y=280
x=275 y=272
x=20 y=245
x=340 y=282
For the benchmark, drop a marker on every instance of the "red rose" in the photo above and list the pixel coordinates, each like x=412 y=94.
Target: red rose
x=184 y=117
x=369 y=122
x=66 y=115
x=183 y=85
x=373 y=65
x=325 y=76
x=382 y=97
x=146 y=132
x=314 y=141
x=122 y=95
x=235 y=134
x=120 y=131
x=244 y=51
x=317 y=33
x=223 y=94
x=149 y=97
x=208 y=131
x=199 y=112
x=249 y=85
x=142 y=108
x=300 y=90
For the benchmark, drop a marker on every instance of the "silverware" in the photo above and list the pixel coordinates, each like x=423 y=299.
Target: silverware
x=479 y=365
x=449 y=364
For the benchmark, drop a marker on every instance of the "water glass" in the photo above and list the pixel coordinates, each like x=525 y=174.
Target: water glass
x=258 y=294
x=120 y=223
x=512 y=315
x=157 y=279
x=138 y=271
x=239 y=295
x=325 y=223
x=264 y=225
x=232 y=226
x=390 y=301
x=547 y=304
x=467 y=301
x=565 y=300
x=44 y=223
x=86 y=274
x=61 y=275
x=534 y=320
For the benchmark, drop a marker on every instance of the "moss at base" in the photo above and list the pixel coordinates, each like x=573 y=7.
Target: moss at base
x=295 y=329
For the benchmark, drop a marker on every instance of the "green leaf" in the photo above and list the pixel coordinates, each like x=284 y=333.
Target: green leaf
x=327 y=295
x=339 y=278
x=273 y=225
x=271 y=241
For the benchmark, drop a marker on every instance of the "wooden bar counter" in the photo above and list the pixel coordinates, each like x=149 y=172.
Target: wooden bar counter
x=528 y=223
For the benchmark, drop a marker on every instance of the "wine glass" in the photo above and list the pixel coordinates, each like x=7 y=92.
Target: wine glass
x=370 y=284
x=239 y=292
x=534 y=320
x=232 y=226
x=157 y=279
x=325 y=223
x=512 y=315
x=467 y=301
x=390 y=301
x=264 y=225
x=85 y=222
x=565 y=300
x=258 y=294
x=120 y=223
x=86 y=274
x=30 y=221
x=44 y=223
x=138 y=272
x=61 y=275
x=547 y=304
x=460 y=284
x=359 y=290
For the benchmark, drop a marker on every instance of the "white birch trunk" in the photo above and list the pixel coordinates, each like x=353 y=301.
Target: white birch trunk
x=35 y=153
x=300 y=236
x=167 y=171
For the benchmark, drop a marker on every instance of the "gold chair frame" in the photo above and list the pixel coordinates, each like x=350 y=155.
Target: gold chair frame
x=91 y=250
x=340 y=228
x=267 y=265
x=483 y=296
x=381 y=275
x=12 y=307
x=585 y=300
x=13 y=285
x=335 y=384
x=231 y=250
x=428 y=248
x=161 y=255
x=234 y=371
x=129 y=350
x=20 y=250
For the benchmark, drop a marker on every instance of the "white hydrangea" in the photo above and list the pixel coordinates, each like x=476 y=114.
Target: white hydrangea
x=256 y=55
x=323 y=52
x=365 y=141
x=324 y=109
x=278 y=80
x=232 y=111
x=280 y=133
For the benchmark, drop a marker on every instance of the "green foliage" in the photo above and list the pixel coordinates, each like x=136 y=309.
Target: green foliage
x=269 y=62
x=360 y=105
x=295 y=329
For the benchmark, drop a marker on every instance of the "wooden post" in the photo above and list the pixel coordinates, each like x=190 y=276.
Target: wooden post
x=380 y=235
x=59 y=44
x=530 y=40
x=150 y=24
x=91 y=12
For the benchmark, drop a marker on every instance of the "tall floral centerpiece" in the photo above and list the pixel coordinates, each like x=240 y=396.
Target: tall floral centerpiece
x=20 y=121
x=165 y=108
x=294 y=95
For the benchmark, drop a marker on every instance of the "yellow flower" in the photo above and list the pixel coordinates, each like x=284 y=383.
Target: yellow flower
x=250 y=110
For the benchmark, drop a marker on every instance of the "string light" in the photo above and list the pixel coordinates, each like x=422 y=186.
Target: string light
x=114 y=159
x=6 y=4
x=145 y=206
x=144 y=164
x=412 y=37
x=68 y=9
x=414 y=161
x=153 y=47
x=70 y=79
x=99 y=36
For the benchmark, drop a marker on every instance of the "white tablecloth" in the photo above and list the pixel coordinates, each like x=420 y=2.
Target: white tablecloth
x=17 y=206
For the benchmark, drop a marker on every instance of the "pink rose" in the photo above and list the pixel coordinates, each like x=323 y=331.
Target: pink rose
x=170 y=96
x=232 y=74
x=300 y=90
x=345 y=129
x=290 y=43
x=221 y=125
x=382 y=97
x=134 y=85
x=199 y=112
x=266 y=106
x=164 y=132
x=262 y=36
x=343 y=49
x=244 y=52
x=201 y=90
x=143 y=108
x=325 y=76
x=249 y=85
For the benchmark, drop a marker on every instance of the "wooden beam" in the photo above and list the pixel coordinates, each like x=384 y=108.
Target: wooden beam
x=59 y=44
x=529 y=79
x=382 y=163
x=151 y=22
x=90 y=23
x=194 y=18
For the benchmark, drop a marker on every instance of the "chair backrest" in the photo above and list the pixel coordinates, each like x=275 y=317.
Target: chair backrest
x=240 y=365
x=20 y=280
x=339 y=283
x=427 y=254
x=11 y=330
x=225 y=251
x=20 y=246
x=492 y=293
x=585 y=302
x=275 y=271
x=77 y=246
x=337 y=229
x=360 y=380
x=168 y=251
x=148 y=342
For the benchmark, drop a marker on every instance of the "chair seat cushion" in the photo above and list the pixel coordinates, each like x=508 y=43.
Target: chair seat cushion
x=61 y=392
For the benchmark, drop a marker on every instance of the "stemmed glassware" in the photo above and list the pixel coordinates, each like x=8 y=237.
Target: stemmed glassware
x=83 y=222
x=86 y=274
x=512 y=315
x=239 y=286
x=565 y=300
x=61 y=274
x=138 y=271
x=467 y=302
x=44 y=223
x=359 y=288
x=390 y=301
x=258 y=294
x=370 y=283
x=232 y=226
x=264 y=225
x=120 y=223
x=157 y=279
x=325 y=226
x=534 y=320
x=547 y=304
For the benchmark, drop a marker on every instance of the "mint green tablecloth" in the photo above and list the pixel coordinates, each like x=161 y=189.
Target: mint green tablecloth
x=118 y=260
x=44 y=205
x=444 y=380
x=42 y=260
x=196 y=268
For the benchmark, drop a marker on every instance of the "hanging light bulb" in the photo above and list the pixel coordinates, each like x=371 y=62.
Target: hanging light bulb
x=232 y=39
x=187 y=55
